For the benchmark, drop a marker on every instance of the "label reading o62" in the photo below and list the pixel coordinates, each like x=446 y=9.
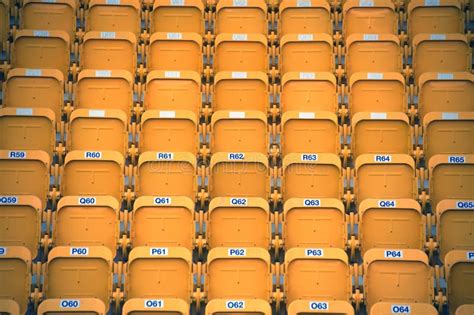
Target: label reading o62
x=235 y=304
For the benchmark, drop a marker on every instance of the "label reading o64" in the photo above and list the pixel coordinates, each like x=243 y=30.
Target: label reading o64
x=69 y=303
x=318 y=306
x=400 y=309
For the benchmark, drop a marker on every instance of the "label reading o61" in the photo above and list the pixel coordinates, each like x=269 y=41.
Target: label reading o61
x=154 y=304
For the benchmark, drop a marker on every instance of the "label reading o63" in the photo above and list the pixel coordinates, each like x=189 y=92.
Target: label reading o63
x=318 y=306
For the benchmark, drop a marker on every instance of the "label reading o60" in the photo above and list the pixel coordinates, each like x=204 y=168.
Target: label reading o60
x=154 y=304
x=69 y=303
x=318 y=306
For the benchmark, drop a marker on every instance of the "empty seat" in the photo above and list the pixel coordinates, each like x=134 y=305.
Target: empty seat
x=4 y=21
x=389 y=176
x=308 y=91
x=381 y=133
x=87 y=221
x=40 y=49
x=306 y=16
x=79 y=272
x=113 y=16
x=388 y=308
x=448 y=133
x=25 y=173
x=94 y=173
x=154 y=306
x=369 y=17
x=240 y=91
x=301 y=307
x=239 y=174
x=441 y=53
x=87 y=306
x=96 y=129
x=15 y=275
x=238 y=273
x=455 y=219
x=173 y=90
x=314 y=223
x=458 y=266
x=316 y=274
x=166 y=174
x=451 y=177
x=445 y=16
x=315 y=132
x=398 y=276
x=445 y=92
x=372 y=53
x=9 y=307
x=239 y=132
x=391 y=223
x=27 y=129
x=57 y=15
x=240 y=52
x=306 y=52
x=311 y=175
x=169 y=131
x=20 y=222
x=159 y=272
x=250 y=306
x=241 y=16
x=104 y=89
x=177 y=16
x=377 y=92
x=163 y=221
x=175 y=51
x=235 y=221
x=465 y=309
x=109 y=51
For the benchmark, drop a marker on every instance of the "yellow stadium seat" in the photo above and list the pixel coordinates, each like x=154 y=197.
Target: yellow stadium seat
x=87 y=221
x=310 y=175
x=163 y=221
x=159 y=272
x=377 y=92
x=83 y=306
x=94 y=173
x=451 y=177
x=398 y=276
x=173 y=90
x=315 y=132
x=113 y=16
x=388 y=308
x=175 y=51
x=4 y=21
x=305 y=16
x=372 y=53
x=445 y=16
x=239 y=174
x=241 y=52
x=314 y=223
x=250 y=306
x=238 y=273
x=458 y=266
x=175 y=131
x=27 y=129
x=104 y=89
x=79 y=272
x=306 y=52
x=236 y=221
x=369 y=17
x=302 y=307
x=241 y=16
x=39 y=49
x=9 y=307
x=166 y=174
x=155 y=306
x=441 y=53
x=465 y=309
x=448 y=133
x=34 y=88
x=317 y=273
x=177 y=16
x=239 y=132
x=240 y=91
x=455 y=219
x=15 y=275
x=389 y=176
x=25 y=173
x=20 y=222
x=381 y=133
x=445 y=92
x=308 y=91
x=391 y=223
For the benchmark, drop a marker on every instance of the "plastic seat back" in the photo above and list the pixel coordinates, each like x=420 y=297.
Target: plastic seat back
x=168 y=306
x=307 y=16
x=4 y=20
x=458 y=265
x=247 y=307
x=465 y=309
x=369 y=17
x=9 y=307
x=87 y=306
x=177 y=16
x=240 y=52
x=388 y=308
x=304 y=307
x=248 y=16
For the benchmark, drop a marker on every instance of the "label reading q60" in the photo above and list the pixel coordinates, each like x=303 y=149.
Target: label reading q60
x=69 y=303
x=318 y=306
x=400 y=309
x=87 y=200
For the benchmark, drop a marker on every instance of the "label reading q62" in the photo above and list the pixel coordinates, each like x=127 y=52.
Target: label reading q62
x=69 y=303
x=400 y=309
x=238 y=201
